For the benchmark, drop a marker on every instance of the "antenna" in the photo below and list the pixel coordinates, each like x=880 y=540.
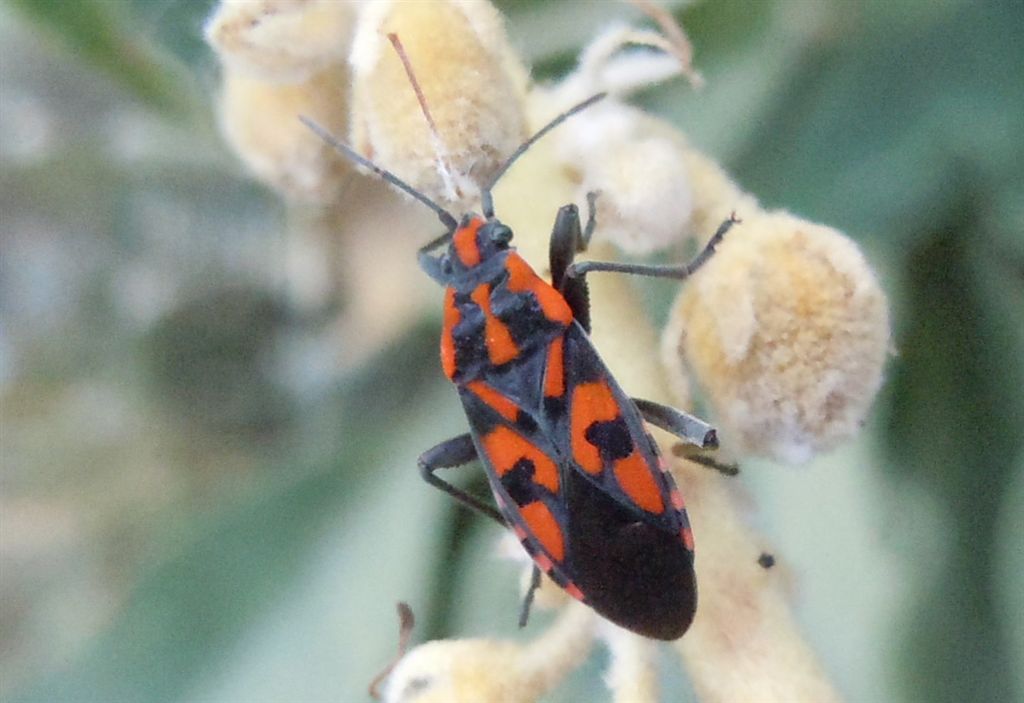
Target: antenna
x=439 y=149
x=447 y=219
x=406 y=621
x=486 y=201
x=679 y=44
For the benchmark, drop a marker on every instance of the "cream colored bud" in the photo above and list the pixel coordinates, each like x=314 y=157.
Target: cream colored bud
x=495 y=671
x=715 y=195
x=281 y=40
x=622 y=60
x=260 y=120
x=787 y=330
x=471 y=83
x=645 y=200
x=637 y=166
x=636 y=163
x=458 y=671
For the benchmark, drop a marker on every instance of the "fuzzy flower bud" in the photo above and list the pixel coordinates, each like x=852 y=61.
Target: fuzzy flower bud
x=636 y=163
x=259 y=120
x=495 y=671
x=285 y=41
x=472 y=89
x=457 y=671
x=281 y=59
x=645 y=198
x=787 y=329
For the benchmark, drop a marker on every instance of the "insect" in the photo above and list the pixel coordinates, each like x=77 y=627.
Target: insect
x=573 y=470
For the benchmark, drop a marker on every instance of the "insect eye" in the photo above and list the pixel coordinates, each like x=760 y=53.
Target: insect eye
x=501 y=234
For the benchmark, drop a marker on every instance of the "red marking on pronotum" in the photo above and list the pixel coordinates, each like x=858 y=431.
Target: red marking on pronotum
x=465 y=243
x=501 y=348
x=522 y=279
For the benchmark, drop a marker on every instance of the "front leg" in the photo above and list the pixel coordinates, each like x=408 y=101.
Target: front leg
x=454 y=452
x=567 y=238
x=431 y=265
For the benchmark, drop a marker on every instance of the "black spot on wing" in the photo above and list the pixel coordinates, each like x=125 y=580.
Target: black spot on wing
x=519 y=483
x=612 y=438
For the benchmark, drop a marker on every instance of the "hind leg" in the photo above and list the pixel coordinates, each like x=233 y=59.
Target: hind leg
x=454 y=452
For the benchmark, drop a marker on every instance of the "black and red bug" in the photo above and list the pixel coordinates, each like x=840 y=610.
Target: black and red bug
x=574 y=472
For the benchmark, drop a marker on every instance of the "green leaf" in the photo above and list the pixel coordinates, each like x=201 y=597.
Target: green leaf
x=955 y=413
x=221 y=572
x=880 y=117
x=100 y=32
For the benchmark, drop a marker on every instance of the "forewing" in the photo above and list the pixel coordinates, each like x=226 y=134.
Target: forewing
x=607 y=443
x=612 y=534
x=527 y=477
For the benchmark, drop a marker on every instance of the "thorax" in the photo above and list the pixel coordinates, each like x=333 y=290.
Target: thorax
x=497 y=315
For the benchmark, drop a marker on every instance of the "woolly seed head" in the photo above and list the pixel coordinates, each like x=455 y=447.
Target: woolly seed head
x=787 y=330
x=637 y=166
x=459 y=671
x=259 y=120
x=645 y=199
x=472 y=85
x=281 y=40
x=635 y=162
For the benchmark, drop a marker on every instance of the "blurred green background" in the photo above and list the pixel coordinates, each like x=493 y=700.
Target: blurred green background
x=200 y=504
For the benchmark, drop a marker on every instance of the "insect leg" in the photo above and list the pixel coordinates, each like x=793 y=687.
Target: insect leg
x=449 y=454
x=580 y=269
x=698 y=436
x=701 y=456
x=684 y=426
x=588 y=230
x=566 y=239
x=524 y=612
x=431 y=265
